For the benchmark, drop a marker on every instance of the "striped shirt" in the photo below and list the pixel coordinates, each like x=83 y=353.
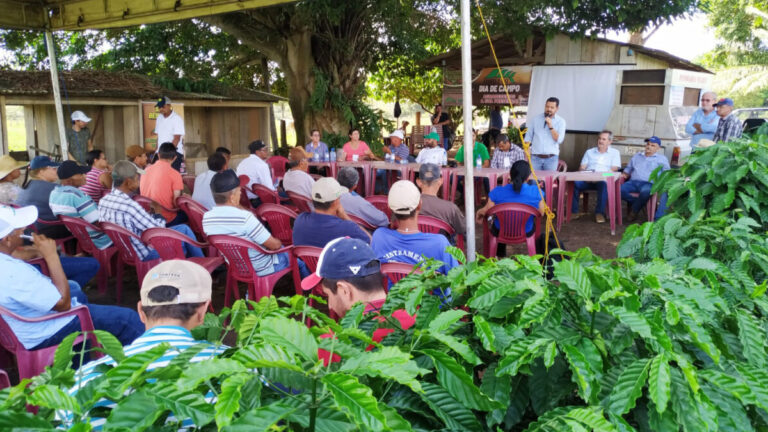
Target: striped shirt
x=118 y=208
x=71 y=201
x=92 y=185
x=233 y=221
x=728 y=128
x=180 y=340
x=514 y=154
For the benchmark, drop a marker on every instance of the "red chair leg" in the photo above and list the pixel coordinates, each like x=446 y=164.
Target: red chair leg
x=120 y=272
x=531 y=242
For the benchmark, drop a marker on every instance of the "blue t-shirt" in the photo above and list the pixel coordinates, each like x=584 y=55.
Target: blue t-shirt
x=315 y=229
x=393 y=246
x=529 y=194
x=37 y=194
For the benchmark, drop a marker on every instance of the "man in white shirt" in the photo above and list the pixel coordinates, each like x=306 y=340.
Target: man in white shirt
x=431 y=153
x=297 y=180
x=602 y=158
x=257 y=170
x=169 y=127
x=202 y=191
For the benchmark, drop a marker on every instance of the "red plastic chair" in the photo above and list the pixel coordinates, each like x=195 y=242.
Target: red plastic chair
x=381 y=203
x=394 y=271
x=278 y=164
x=33 y=363
x=280 y=220
x=79 y=228
x=4 y=381
x=433 y=225
x=650 y=206
x=239 y=267
x=63 y=242
x=362 y=223
x=562 y=166
x=121 y=237
x=512 y=220
x=146 y=204
x=301 y=202
x=265 y=194
x=195 y=212
x=169 y=245
x=189 y=182
x=310 y=256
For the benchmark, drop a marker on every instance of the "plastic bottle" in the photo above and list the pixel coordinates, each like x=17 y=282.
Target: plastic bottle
x=479 y=162
x=333 y=155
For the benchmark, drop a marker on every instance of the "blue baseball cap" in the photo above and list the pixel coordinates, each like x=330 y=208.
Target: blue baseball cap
x=724 y=101
x=42 y=162
x=343 y=258
x=654 y=139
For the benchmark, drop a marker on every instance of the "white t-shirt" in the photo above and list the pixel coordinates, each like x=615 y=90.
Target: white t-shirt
x=167 y=127
x=601 y=162
x=257 y=171
x=299 y=182
x=202 y=192
x=435 y=155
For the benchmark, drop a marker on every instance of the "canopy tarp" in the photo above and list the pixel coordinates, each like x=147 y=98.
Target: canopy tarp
x=102 y=14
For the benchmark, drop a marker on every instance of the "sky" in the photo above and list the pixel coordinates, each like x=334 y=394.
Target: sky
x=686 y=38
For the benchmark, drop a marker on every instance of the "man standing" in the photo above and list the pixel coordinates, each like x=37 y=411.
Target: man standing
x=638 y=173
x=441 y=118
x=163 y=184
x=495 y=123
x=430 y=181
x=227 y=218
x=79 y=139
x=257 y=170
x=70 y=201
x=545 y=134
x=354 y=204
x=202 y=192
x=329 y=220
x=431 y=153
x=296 y=179
x=169 y=127
x=174 y=298
x=729 y=126
x=703 y=122
x=602 y=158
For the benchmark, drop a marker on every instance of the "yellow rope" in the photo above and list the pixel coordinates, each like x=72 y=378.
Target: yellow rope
x=548 y=214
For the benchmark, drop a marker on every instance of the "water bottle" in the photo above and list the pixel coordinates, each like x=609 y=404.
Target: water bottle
x=333 y=155
x=479 y=162
x=507 y=163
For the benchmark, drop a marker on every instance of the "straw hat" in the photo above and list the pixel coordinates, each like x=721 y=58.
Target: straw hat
x=8 y=164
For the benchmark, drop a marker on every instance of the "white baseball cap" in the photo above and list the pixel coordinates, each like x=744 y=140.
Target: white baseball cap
x=397 y=133
x=327 y=189
x=79 y=115
x=192 y=280
x=13 y=218
x=404 y=197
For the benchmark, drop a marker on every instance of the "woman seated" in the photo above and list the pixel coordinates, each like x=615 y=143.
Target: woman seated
x=522 y=189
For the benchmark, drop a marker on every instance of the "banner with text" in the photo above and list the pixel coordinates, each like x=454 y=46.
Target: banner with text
x=488 y=86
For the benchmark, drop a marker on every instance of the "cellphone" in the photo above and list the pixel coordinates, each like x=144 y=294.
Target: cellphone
x=26 y=237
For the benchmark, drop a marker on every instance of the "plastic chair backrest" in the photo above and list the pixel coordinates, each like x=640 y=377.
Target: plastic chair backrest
x=429 y=224
x=144 y=202
x=168 y=243
x=79 y=228
x=195 y=212
x=310 y=255
x=32 y=363
x=278 y=165
x=5 y=382
x=562 y=166
x=265 y=194
x=394 y=271
x=361 y=222
x=279 y=219
x=245 y=202
x=381 y=203
x=235 y=250
x=512 y=220
x=189 y=182
x=121 y=238
x=301 y=202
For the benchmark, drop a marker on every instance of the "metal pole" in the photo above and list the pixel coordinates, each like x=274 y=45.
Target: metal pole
x=469 y=145
x=57 y=95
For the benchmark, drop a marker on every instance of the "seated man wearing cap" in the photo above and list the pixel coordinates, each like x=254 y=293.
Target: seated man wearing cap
x=329 y=220
x=202 y=191
x=354 y=204
x=227 y=218
x=28 y=293
x=174 y=298
x=79 y=139
x=119 y=208
x=97 y=180
x=637 y=175
x=68 y=200
x=42 y=172
x=163 y=184
x=296 y=179
x=407 y=244
x=430 y=181
x=432 y=153
x=10 y=170
x=257 y=170
x=397 y=148
x=137 y=155
x=350 y=273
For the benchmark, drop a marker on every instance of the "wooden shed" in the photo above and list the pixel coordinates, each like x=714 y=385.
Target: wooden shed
x=121 y=108
x=589 y=69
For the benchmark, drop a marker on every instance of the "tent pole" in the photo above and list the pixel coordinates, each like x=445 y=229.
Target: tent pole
x=57 y=95
x=469 y=145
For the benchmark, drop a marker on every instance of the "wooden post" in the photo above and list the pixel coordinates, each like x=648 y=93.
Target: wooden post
x=4 y=127
x=418 y=118
x=283 y=134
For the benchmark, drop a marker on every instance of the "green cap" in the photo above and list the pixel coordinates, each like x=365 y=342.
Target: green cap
x=432 y=135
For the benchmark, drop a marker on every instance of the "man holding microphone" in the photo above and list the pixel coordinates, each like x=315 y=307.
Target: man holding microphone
x=545 y=134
